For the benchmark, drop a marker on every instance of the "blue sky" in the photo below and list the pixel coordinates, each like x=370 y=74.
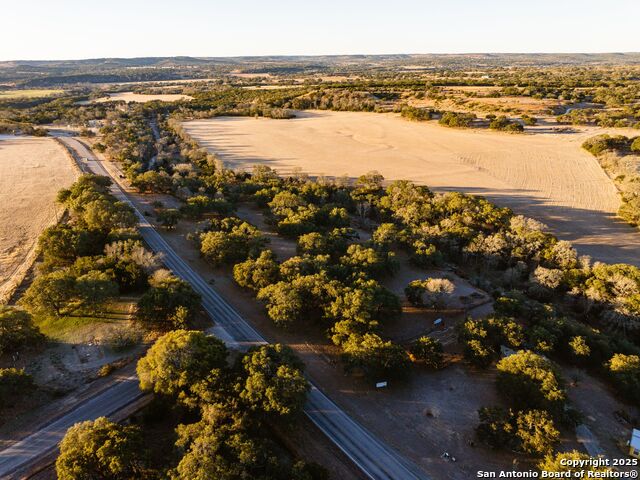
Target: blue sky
x=70 y=29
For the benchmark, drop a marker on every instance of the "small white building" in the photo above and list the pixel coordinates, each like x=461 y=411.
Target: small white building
x=634 y=444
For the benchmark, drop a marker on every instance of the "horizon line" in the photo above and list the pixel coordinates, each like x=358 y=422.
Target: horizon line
x=290 y=55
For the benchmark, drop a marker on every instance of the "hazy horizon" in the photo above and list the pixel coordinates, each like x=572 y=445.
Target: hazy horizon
x=72 y=30
x=207 y=57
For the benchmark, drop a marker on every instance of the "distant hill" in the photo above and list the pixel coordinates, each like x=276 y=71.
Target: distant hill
x=39 y=73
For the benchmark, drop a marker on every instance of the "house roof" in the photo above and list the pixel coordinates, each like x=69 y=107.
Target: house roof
x=635 y=439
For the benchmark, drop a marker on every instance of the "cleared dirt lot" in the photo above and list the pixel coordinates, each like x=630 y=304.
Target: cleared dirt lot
x=32 y=170
x=544 y=175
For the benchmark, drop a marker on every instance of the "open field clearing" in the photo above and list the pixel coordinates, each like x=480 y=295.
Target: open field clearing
x=543 y=175
x=32 y=170
x=131 y=97
x=35 y=93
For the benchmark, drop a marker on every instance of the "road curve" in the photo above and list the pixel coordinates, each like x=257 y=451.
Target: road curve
x=377 y=460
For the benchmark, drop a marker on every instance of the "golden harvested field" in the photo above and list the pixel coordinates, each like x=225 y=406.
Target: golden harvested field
x=544 y=175
x=130 y=97
x=32 y=170
x=34 y=93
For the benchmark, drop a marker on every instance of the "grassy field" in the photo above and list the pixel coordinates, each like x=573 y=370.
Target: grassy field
x=73 y=328
x=32 y=170
x=34 y=93
x=545 y=175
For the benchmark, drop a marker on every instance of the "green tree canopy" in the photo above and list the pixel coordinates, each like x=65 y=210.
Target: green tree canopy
x=159 y=305
x=100 y=449
x=625 y=370
x=428 y=351
x=529 y=381
x=17 y=330
x=178 y=361
x=558 y=463
x=380 y=359
x=272 y=382
x=257 y=273
x=51 y=293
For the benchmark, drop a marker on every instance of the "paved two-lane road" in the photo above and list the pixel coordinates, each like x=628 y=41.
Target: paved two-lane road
x=372 y=456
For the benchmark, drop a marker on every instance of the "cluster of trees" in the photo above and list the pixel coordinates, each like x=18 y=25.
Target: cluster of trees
x=339 y=293
x=64 y=110
x=336 y=99
x=127 y=137
x=91 y=258
x=482 y=338
x=238 y=403
x=627 y=117
x=17 y=332
x=298 y=211
x=227 y=100
x=533 y=390
x=332 y=283
x=531 y=273
x=96 y=256
x=230 y=240
x=525 y=323
x=235 y=405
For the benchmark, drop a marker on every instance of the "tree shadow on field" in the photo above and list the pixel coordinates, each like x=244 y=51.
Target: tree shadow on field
x=235 y=153
x=601 y=235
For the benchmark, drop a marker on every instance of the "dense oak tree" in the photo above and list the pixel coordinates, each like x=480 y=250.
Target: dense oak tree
x=17 y=330
x=178 y=361
x=100 y=449
x=169 y=303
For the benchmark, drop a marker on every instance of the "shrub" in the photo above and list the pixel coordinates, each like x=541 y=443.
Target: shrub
x=416 y=114
x=427 y=351
x=13 y=383
x=457 y=119
x=503 y=123
x=601 y=143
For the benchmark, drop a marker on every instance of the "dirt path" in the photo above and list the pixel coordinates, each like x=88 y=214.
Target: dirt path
x=32 y=170
x=545 y=175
